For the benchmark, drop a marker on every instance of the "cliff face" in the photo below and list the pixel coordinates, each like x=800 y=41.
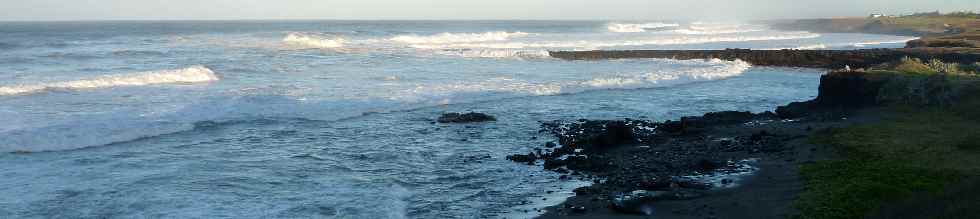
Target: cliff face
x=831 y=59
x=849 y=89
x=852 y=90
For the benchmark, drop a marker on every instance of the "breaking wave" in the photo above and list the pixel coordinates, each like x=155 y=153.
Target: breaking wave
x=802 y=47
x=713 y=69
x=498 y=53
x=698 y=28
x=444 y=38
x=466 y=91
x=874 y=43
x=123 y=126
x=194 y=74
x=667 y=40
x=637 y=27
x=812 y=47
x=306 y=40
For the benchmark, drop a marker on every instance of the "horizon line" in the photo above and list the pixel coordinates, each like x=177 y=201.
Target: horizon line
x=386 y=19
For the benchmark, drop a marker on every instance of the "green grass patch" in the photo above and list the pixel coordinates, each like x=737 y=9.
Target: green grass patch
x=852 y=188
x=913 y=150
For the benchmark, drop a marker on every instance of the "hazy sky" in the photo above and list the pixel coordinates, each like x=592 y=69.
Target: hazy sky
x=461 y=9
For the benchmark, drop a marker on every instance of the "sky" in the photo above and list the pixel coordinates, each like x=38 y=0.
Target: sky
x=32 y=10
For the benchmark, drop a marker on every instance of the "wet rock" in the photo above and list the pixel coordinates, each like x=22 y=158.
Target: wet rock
x=690 y=184
x=638 y=201
x=758 y=136
x=728 y=117
x=550 y=145
x=726 y=181
x=794 y=110
x=659 y=183
x=705 y=165
x=465 y=118
x=671 y=126
x=523 y=158
x=830 y=59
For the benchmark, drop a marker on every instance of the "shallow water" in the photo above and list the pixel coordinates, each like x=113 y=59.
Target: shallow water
x=314 y=119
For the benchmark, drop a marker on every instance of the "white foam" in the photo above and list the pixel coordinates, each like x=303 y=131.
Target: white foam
x=499 y=53
x=463 y=91
x=444 y=38
x=872 y=43
x=802 y=47
x=194 y=74
x=705 y=70
x=660 y=40
x=307 y=40
x=637 y=27
x=699 y=28
x=811 y=47
x=88 y=130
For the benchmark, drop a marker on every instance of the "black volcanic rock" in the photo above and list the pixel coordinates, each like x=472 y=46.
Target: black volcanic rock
x=829 y=59
x=795 y=110
x=465 y=118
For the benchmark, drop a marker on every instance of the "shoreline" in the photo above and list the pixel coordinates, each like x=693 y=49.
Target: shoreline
x=638 y=162
x=628 y=156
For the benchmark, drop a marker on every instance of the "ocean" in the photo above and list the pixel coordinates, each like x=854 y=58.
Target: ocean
x=335 y=119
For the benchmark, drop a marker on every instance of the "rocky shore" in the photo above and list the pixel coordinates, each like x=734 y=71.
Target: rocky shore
x=722 y=164
x=747 y=165
x=719 y=165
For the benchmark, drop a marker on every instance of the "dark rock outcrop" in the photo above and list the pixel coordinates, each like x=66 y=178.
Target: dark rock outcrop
x=465 y=118
x=829 y=59
x=849 y=89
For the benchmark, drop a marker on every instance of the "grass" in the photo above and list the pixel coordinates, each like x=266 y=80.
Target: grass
x=918 y=161
x=917 y=66
x=912 y=151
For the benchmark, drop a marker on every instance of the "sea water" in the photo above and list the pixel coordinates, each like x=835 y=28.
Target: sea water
x=299 y=119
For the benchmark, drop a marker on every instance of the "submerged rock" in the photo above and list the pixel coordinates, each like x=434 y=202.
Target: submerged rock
x=465 y=118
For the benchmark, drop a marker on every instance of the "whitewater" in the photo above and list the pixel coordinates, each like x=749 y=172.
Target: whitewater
x=300 y=119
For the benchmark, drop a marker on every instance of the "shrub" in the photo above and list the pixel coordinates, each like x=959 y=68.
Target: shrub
x=913 y=65
x=944 y=68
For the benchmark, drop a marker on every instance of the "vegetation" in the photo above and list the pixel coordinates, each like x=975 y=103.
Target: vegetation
x=922 y=158
x=959 y=14
x=934 y=66
x=913 y=151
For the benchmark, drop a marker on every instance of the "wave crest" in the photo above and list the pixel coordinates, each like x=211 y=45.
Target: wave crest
x=194 y=74
x=637 y=27
x=707 y=70
x=313 y=41
x=680 y=40
x=698 y=28
x=458 y=37
x=875 y=43
x=499 y=53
